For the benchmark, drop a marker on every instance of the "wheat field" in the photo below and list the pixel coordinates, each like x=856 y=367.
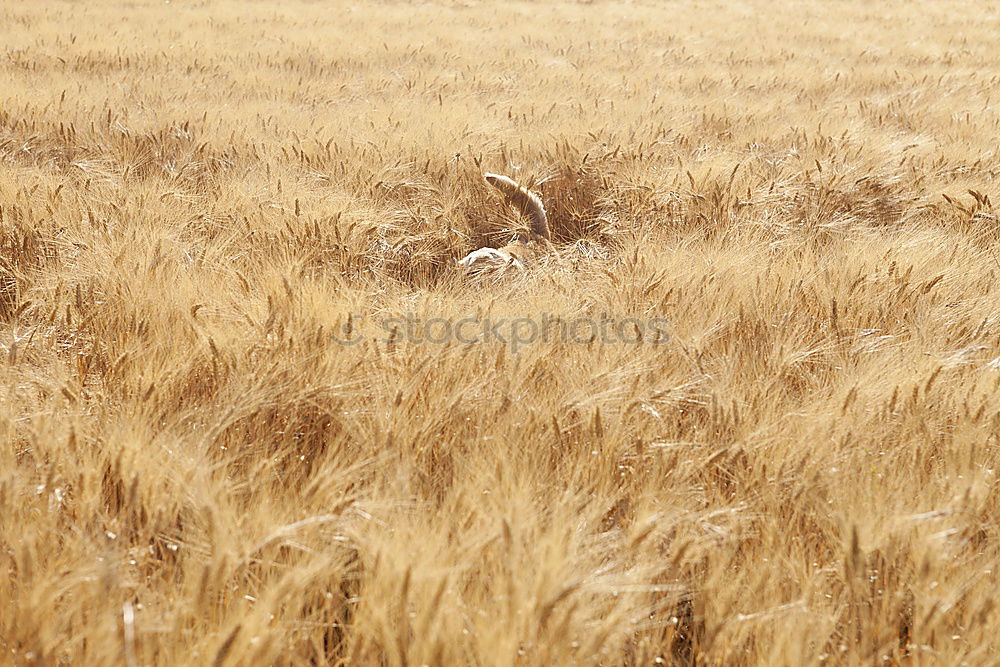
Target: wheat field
x=745 y=412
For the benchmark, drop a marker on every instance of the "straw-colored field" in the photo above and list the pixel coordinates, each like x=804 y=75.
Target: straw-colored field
x=252 y=413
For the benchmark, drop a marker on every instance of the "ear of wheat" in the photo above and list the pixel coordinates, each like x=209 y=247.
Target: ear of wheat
x=524 y=249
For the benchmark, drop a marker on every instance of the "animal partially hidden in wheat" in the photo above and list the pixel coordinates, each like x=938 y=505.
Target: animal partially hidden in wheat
x=524 y=249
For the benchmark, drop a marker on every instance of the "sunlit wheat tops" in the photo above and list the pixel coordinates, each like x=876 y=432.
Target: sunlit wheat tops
x=740 y=408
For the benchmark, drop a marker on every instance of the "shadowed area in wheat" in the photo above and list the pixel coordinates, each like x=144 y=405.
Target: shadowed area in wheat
x=240 y=423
